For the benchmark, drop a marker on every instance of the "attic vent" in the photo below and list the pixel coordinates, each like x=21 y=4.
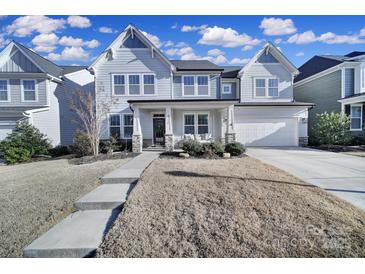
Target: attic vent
x=109 y=55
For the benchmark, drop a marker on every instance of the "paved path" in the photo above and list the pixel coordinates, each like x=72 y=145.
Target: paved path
x=81 y=233
x=342 y=175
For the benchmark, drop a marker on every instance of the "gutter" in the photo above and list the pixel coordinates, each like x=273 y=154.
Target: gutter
x=28 y=113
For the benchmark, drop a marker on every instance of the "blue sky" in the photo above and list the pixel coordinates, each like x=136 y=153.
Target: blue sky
x=225 y=40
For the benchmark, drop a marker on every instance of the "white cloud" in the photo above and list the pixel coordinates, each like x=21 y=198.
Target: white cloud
x=3 y=41
x=220 y=59
x=247 y=48
x=92 y=44
x=277 y=26
x=303 y=38
x=362 y=32
x=153 y=38
x=77 y=21
x=182 y=45
x=187 y=28
x=26 y=25
x=70 y=53
x=45 y=42
x=238 y=61
x=215 y=52
x=105 y=30
x=191 y=56
x=228 y=38
x=169 y=44
x=278 y=41
x=299 y=54
x=171 y=52
x=70 y=41
x=174 y=26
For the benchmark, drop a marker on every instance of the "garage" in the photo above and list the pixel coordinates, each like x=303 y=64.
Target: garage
x=5 y=130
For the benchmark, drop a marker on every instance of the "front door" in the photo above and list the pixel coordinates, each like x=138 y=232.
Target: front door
x=159 y=131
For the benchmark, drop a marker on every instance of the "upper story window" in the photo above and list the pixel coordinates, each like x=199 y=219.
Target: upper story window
x=29 y=92
x=266 y=87
x=148 y=84
x=362 y=78
x=4 y=91
x=227 y=89
x=131 y=84
x=195 y=85
x=119 y=84
x=356 y=117
x=134 y=85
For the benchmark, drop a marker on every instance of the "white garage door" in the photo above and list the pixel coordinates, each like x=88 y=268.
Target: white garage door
x=5 y=130
x=266 y=131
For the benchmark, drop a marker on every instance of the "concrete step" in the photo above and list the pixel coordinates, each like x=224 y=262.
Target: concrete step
x=77 y=236
x=108 y=196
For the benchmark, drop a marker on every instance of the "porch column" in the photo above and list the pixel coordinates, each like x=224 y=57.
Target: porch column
x=137 y=138
x=230 y=132
x=169 y=135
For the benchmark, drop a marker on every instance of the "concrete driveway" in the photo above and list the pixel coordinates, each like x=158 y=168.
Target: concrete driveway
x=342 y=175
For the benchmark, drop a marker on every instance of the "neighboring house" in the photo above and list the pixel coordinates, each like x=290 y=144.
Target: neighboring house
x=334 y=83
x=36 y=90
x=160 y=102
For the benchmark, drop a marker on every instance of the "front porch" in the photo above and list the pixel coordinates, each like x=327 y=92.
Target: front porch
x=353 y=106
x=168 y=123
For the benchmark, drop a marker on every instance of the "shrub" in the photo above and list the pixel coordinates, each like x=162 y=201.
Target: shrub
x=59 y=151
x=81 y=145
x=235 y=148
x=357 y=140
x=193 y=147
x=212 y=149
x=23 y=143
x=332 y=129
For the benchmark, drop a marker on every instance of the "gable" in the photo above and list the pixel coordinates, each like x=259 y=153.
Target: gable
x=266 y=58
x=133 y=43
x=16 y=61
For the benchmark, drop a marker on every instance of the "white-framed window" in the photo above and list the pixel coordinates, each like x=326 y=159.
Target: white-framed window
x=195 y=85
x=134 y=84
x=114 y=125
x=227 y=88
x=362 y=71
x=266 y=87
x=4 y=90
x=119 y=84
x=127 y=126
x=148 y=84
x=29 y=90
x=196 y=123
x=356 y=117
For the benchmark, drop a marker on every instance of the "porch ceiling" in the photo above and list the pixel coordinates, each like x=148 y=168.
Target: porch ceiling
x=182 y=104
x=358 y=98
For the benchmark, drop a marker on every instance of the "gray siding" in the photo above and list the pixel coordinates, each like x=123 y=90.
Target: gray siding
x=324 y=92
x=267 y=58
x=18 y=63
x=214 y=88
x=349 y=81
x=233 y=95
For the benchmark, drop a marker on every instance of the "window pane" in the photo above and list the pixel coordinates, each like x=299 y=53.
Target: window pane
x=203 y=119
x=29 y=95
x=149 y=89
x=356 y=112
x=202 y=129
x=114 y=120
x=115 y=132
x=29 y=85
x=128 y=120
x=189 y=130
x=3 y=85
x=134 y=89
x=203 y=80
x=134 y=79
x=119 y=80
x=188 y=80
x=355 y=123
x=226 y=89
x=273 y=83
x=3 y=90
x=128 y=132
x=260 y=91
x=119 y=90
x=273 y=92
x=260 y=83
x=189 y=119
x=149 y=79
x=203 y=90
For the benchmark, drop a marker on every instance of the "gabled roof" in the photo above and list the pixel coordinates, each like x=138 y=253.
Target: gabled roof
x=195 y=65
x=132 y=30
x=230 y=71
x=71 y=69
x=355 y=53
x=269 y=47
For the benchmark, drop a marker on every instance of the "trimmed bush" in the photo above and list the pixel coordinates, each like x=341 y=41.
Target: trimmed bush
x=59 y=151
x=81 y=145
x=193 y=148
x=332 y=129
x=212 y=149
x=23 y=143
x=235 y=148
x=357 y=140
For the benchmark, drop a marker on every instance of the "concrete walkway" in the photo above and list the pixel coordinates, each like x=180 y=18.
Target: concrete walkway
x=81 y=233
x=342 y=175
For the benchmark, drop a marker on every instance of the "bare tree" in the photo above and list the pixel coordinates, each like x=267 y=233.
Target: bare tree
x=90 y=116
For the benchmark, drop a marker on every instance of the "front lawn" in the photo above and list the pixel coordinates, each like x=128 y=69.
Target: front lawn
x=36 y=196
x=232 y=208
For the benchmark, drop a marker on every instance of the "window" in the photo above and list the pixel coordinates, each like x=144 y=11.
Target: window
x=227 y=89
x=134 y=84
x=188 y=85
x=127 y=126
x=189 y=124
x=29 y=90
x=196 y=123
x=114 y=125
x=260 y=85
x=363 y=78
x=356 y=117
x=273 y=88
x=4 y=91
x=148 y=84
x=119 y=84
x=203 y=88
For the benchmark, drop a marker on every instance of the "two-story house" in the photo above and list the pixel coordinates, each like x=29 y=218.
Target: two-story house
x=334 y=83
x=159 y=102
x=35 y=90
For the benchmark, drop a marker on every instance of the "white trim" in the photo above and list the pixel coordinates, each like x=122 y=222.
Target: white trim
x=229 y=85
x=154 y=84
x=140 y=88
x=343 y=80
x=183 y=85
x=195 y=114
x=317 y=75
x=126 y=84
x=122 y=122
x=362 y=78
x=196 y=86
x=35 y=90
x=361 y=109
x=7 y=90
x=266 y=87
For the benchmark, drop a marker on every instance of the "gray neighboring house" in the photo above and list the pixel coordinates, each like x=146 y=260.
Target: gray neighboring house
x=160 y=102
x=34 y=89
x=334 y=83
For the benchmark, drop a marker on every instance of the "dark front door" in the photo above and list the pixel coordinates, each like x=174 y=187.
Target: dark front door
x=159 y=131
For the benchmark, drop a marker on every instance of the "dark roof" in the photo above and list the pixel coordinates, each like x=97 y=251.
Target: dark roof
x=181 y=100
x=71 y=69
x=355 y=53
x=274 y=104
x=230 y=71
x=195 y=65
x=46 y=65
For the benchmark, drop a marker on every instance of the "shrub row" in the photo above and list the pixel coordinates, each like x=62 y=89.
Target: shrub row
x=197 y=149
